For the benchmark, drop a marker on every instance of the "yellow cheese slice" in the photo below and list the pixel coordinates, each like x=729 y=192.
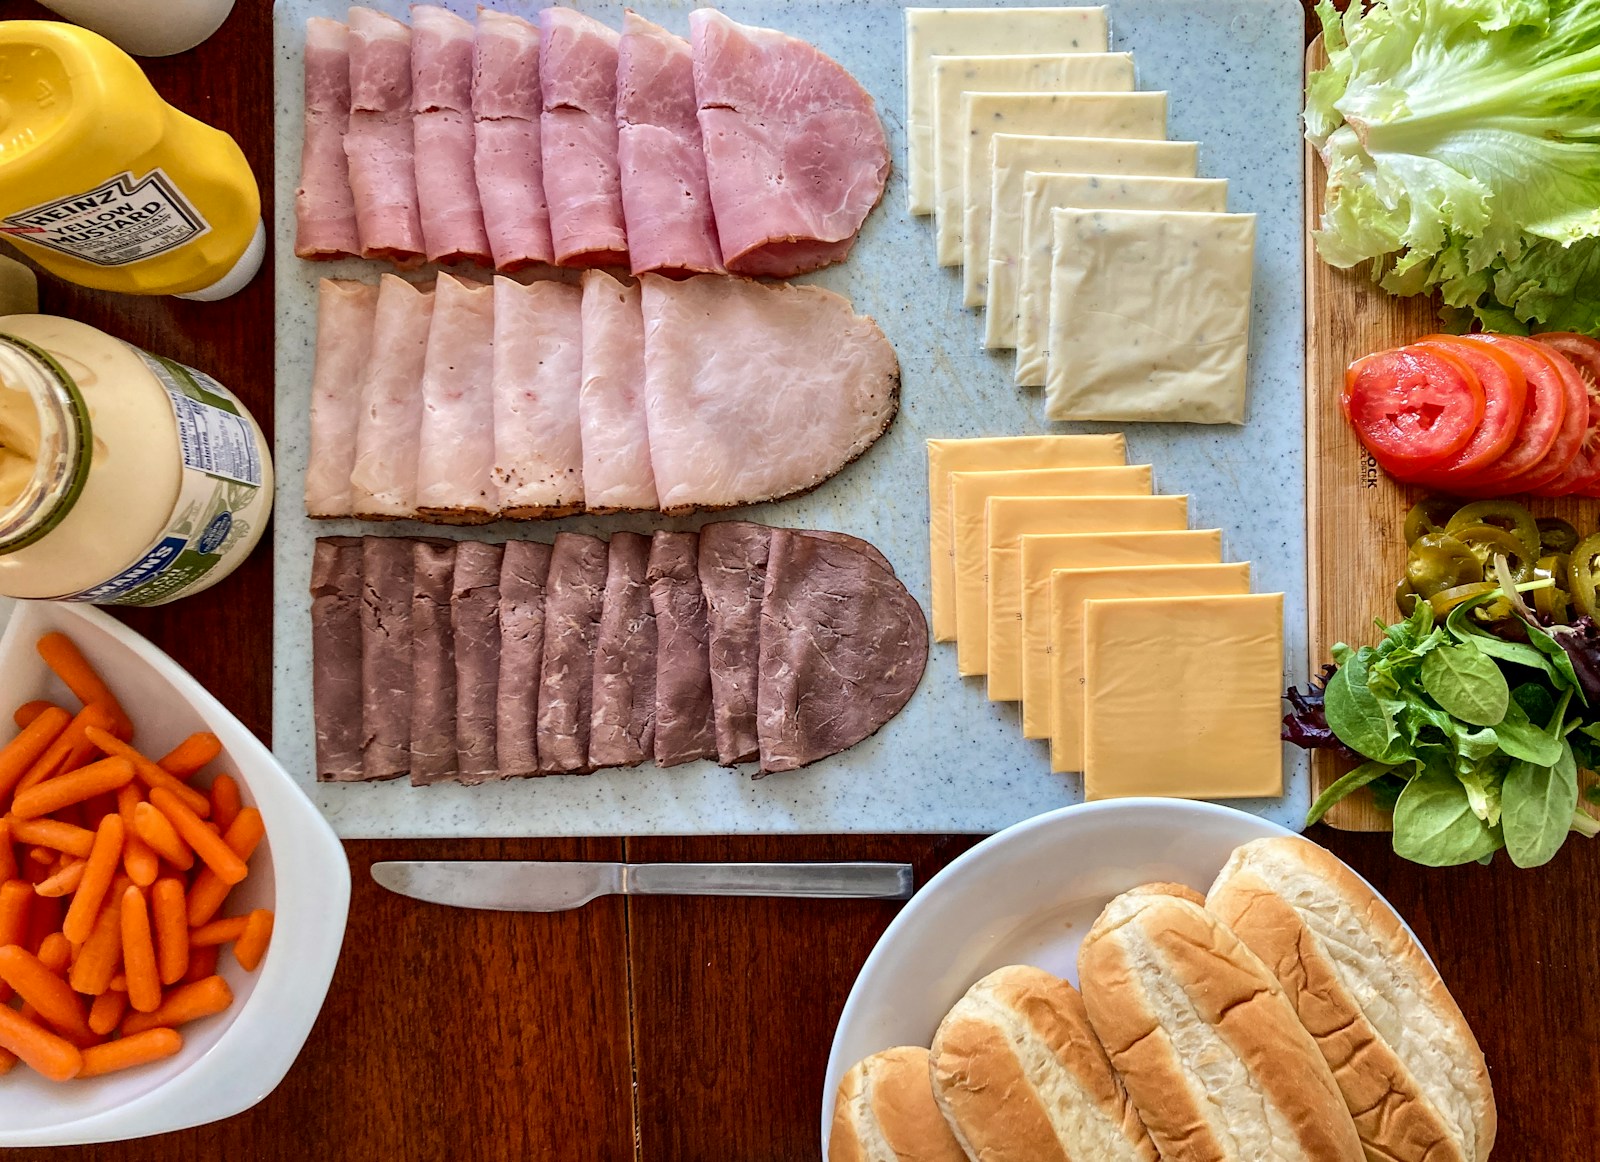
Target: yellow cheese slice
x=993 y=454
x=1042 y=555
x=1008 y=520
x=1183 y=697
x=1068 y=590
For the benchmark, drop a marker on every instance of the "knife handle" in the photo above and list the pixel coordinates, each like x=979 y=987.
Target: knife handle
x=887 y=881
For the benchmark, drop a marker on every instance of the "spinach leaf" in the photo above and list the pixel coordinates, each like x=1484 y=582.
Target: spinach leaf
x=1482 y=783
x=1521 y=739
x=1386 y=792
x=1346 y=784
x=1355 y=715
x=1434 y=824
x=1537 y=805
x=1517 y=653
x=1535 y=700
x=1564 y=675
x=1466 y=682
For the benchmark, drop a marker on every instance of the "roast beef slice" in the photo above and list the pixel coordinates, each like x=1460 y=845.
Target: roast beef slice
x=475 y=627
x=574 y=597
x=733 y=573
x=684 y=730
x=386 y=569
x=622 y=721
x=433 y=664
x=524 y=569
x=336 y=654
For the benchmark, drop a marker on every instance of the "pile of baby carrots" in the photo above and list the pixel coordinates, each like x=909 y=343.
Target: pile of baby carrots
x=114 y=868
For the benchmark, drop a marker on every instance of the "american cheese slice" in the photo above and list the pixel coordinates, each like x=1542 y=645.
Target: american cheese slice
x=992 y=454
x=1149 y=316
x=1043 y=192
x=932 y=32
x=1008 y=520
x=1183 y=696
x=1129 y=116
x=1083 y=72
x=1042 y=555
x=1068 y=590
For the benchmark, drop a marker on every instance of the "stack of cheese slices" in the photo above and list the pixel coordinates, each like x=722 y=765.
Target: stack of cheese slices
x=1145 y=660
x=1288 y=1016
x=1115 y=273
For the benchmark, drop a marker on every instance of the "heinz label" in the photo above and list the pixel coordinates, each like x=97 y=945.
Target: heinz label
x=117 y=222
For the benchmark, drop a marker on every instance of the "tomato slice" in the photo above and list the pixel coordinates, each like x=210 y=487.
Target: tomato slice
x=1412 y=407
x=1544 y=415
x=1569 y=436
x=1583 y=477
x=1505 y=391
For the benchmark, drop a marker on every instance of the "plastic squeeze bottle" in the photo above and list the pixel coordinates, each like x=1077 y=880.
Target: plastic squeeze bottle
x=105 y=184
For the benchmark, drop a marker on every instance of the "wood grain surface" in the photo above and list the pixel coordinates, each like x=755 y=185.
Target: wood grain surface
x=682 y=1030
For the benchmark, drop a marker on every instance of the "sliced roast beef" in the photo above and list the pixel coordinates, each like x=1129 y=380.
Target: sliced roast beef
x=475 y=628
x=336 y=657
x=524 y=569
x=733 y=574
x=684 y=729
x=623 y=718
x=387 y=565
x=574 y=599
x=855 y=543
x=433 y=663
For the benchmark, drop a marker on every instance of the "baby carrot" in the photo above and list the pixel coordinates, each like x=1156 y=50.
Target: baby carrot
x=149 y=773
x=106 y=1012
x=202 y=963
x=71 y=749
x=72 y=787
x=29 y=711
x=185 y=1003
x=44 y=1052
x=225 y=802
x=69 y=664
x=139 y=953
x=54 y=834
x=252 y=943
x=172 y=929
x=118 y=983
x=208 y=891
x=8 y=854
x=97 y=960
x=127 y=1052
x=141 y=863
x=15 y=897
x=65 y=880
x=224 y=931
x=51 y=997
x=190 y=755
x=207 y=844
x=96 y=881
x=155 y=829
x=26 y=748
x=54 y=952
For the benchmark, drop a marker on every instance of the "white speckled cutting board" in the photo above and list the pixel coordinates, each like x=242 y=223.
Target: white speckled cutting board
x=952 y=760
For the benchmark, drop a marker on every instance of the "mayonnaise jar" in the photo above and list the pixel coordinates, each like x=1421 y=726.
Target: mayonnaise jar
x=125 y=478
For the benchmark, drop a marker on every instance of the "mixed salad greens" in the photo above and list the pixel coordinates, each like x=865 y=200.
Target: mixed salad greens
x=1462 y=141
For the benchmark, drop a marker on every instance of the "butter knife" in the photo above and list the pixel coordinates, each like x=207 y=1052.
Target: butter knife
x=529 y=886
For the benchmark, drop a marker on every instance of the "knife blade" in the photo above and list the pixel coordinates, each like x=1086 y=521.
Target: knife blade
x=533 y=886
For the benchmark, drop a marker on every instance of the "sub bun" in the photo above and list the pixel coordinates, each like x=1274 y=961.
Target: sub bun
x=885 y=1112
x=1410 y=1069
x=1021 y=1078
x=1209 y=1047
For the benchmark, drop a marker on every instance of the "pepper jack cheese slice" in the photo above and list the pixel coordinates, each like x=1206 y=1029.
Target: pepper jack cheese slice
x=1068 y=591
x=1044 y=192
x=1183 y=697
x=932 y=32
x=1129 y=116
x=1149 y=316
x=988 y=454
x=1083 y=72
x=1042 y=555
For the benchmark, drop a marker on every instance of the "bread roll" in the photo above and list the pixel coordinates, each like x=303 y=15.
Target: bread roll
x=885 y=1112
x=1410 y=1068
x=1021 y=1078
x=1208 y=1045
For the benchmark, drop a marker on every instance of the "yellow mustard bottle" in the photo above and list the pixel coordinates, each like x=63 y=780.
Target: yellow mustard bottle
x=105 y=184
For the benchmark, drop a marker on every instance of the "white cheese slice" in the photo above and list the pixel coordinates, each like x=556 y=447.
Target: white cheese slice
x=1015 y=155
x=1043 y=192
x=1149 y=316
x=1129 y=116
x=1083 y=72
x=932 y=32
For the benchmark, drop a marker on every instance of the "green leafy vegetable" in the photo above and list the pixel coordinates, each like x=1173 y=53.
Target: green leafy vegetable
x=1434 y=823
x=1348 y=783
x=1466 y=683
x=1537 y=805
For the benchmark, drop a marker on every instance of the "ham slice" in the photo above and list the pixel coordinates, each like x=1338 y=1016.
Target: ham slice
x=378 y=143
x=346 y=311
x=684 y=730
x=336 y=657
x=537 y=374
x=573 y=602
x=665 y=199
x=386 y=598
x=383 y=479
x=505 y=111
x=433 y=664
x=795 y=153
x=456 y=455
x=324 y=208
x=475 y=629
x=441 y=104
x=524 y=569
x=578 y=138
x=622 y=721
x=806 y=381
x=733 y=575
x=615 y=435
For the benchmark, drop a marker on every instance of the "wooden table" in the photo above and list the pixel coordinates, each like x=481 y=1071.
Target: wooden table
x=686 y=1030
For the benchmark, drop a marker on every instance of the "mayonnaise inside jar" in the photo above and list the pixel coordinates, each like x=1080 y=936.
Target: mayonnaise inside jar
x=125 y=478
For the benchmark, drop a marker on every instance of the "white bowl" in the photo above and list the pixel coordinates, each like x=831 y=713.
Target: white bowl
x=230 y=1061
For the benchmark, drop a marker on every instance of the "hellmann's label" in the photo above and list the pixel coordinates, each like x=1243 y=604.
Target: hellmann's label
x=120 y=221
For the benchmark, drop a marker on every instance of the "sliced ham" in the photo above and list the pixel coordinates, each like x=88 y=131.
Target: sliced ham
x=441 y=103
x=795 y=153
x=433 y=664
x=578 y=138
x=614 y=433
x=383 y=479
x=622 y=721
x=387 y=567
x=684 y=729
x=336 y=657
x=574 y=597
x=757 y=392
x=346 y=311
x=733 y=575
x=537 y=374
x=843 y=646
x=378 y=143
x=324 y=208
x=475 y=629
x=456 y=455
x=524 y=569
x=510 y=171
x=665 y=199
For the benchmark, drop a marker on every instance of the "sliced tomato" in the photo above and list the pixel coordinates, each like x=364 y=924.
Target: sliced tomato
x=1412 y=407
x=1583 y=477
x=1544 y=415
x=1569 y=436
x=1505 y=391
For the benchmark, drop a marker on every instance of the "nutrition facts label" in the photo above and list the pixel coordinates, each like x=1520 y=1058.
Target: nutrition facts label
x=215 y=438
x=117 y=222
